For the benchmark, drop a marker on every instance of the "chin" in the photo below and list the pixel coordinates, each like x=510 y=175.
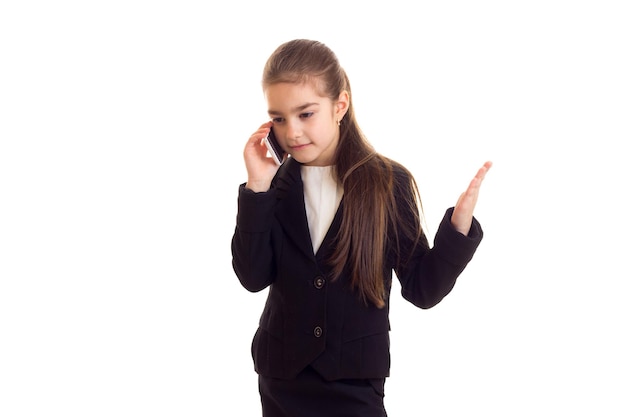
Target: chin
x=309 y=160
x=303 y=159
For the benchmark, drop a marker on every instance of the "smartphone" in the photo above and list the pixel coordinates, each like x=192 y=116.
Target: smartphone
x=278 y=153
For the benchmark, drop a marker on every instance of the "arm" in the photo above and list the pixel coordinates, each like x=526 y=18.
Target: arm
x=428 y=274
x=251 y=245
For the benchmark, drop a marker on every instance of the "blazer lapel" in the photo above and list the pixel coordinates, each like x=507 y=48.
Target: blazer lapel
x=333 y=230
x=291 y=212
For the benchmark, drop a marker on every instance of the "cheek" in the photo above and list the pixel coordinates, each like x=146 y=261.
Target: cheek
x=324 y=133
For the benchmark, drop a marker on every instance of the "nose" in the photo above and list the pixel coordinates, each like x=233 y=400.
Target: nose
x=293 y=130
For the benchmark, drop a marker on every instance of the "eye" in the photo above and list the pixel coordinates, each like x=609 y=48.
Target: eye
x=306 y=115
x=277 y=120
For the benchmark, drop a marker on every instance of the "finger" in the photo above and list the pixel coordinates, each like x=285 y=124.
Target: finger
x=264 y=129
x=257 y=137
x=483 y=170
x=478 y=179
x=460 y=199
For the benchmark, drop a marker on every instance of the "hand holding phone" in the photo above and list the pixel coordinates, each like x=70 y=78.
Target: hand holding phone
x=278 y=153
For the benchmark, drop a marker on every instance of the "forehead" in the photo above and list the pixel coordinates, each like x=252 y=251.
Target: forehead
x=284 y=96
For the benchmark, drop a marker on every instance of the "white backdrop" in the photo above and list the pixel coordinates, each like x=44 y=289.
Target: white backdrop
x=122 y=127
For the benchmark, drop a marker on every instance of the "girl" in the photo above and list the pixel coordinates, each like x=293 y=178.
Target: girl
x=324 y=231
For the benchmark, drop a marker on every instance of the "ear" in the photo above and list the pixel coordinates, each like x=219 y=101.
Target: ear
x=341 y=105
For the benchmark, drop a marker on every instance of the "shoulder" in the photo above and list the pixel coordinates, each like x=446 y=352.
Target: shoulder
x=400 y=174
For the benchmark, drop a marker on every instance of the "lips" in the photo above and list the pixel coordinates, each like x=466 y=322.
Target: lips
x=298 y=147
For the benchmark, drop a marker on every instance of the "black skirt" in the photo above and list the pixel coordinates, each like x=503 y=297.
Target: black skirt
x=310 y=395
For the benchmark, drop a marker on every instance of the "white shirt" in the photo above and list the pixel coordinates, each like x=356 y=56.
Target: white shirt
x=322 y=196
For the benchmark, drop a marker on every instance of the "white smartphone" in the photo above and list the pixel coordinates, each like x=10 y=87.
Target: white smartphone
x=278 y=153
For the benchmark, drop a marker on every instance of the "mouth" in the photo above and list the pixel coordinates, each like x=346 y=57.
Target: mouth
x=298 y=147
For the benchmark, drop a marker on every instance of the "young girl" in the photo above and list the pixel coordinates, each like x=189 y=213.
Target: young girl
x=324 y=231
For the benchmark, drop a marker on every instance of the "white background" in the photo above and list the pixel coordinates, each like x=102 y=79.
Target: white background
x=122 y=125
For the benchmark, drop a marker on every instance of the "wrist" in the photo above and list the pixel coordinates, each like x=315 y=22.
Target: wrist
x=258 y=186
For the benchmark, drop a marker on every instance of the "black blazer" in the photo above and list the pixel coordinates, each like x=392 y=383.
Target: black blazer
x=309 y=319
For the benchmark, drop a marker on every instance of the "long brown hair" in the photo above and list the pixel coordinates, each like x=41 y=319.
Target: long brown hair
x=370 y=212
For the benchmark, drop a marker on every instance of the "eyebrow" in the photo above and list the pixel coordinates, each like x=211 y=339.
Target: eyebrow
x=295 y=109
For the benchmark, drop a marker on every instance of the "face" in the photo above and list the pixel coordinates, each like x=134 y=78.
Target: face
x=305 y=122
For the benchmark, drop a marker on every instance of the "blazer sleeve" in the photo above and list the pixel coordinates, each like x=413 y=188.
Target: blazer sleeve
x=251 y=242
x=427 y=274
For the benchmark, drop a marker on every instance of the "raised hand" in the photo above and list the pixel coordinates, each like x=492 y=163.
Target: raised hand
x=464 y=209
x=260 y=167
